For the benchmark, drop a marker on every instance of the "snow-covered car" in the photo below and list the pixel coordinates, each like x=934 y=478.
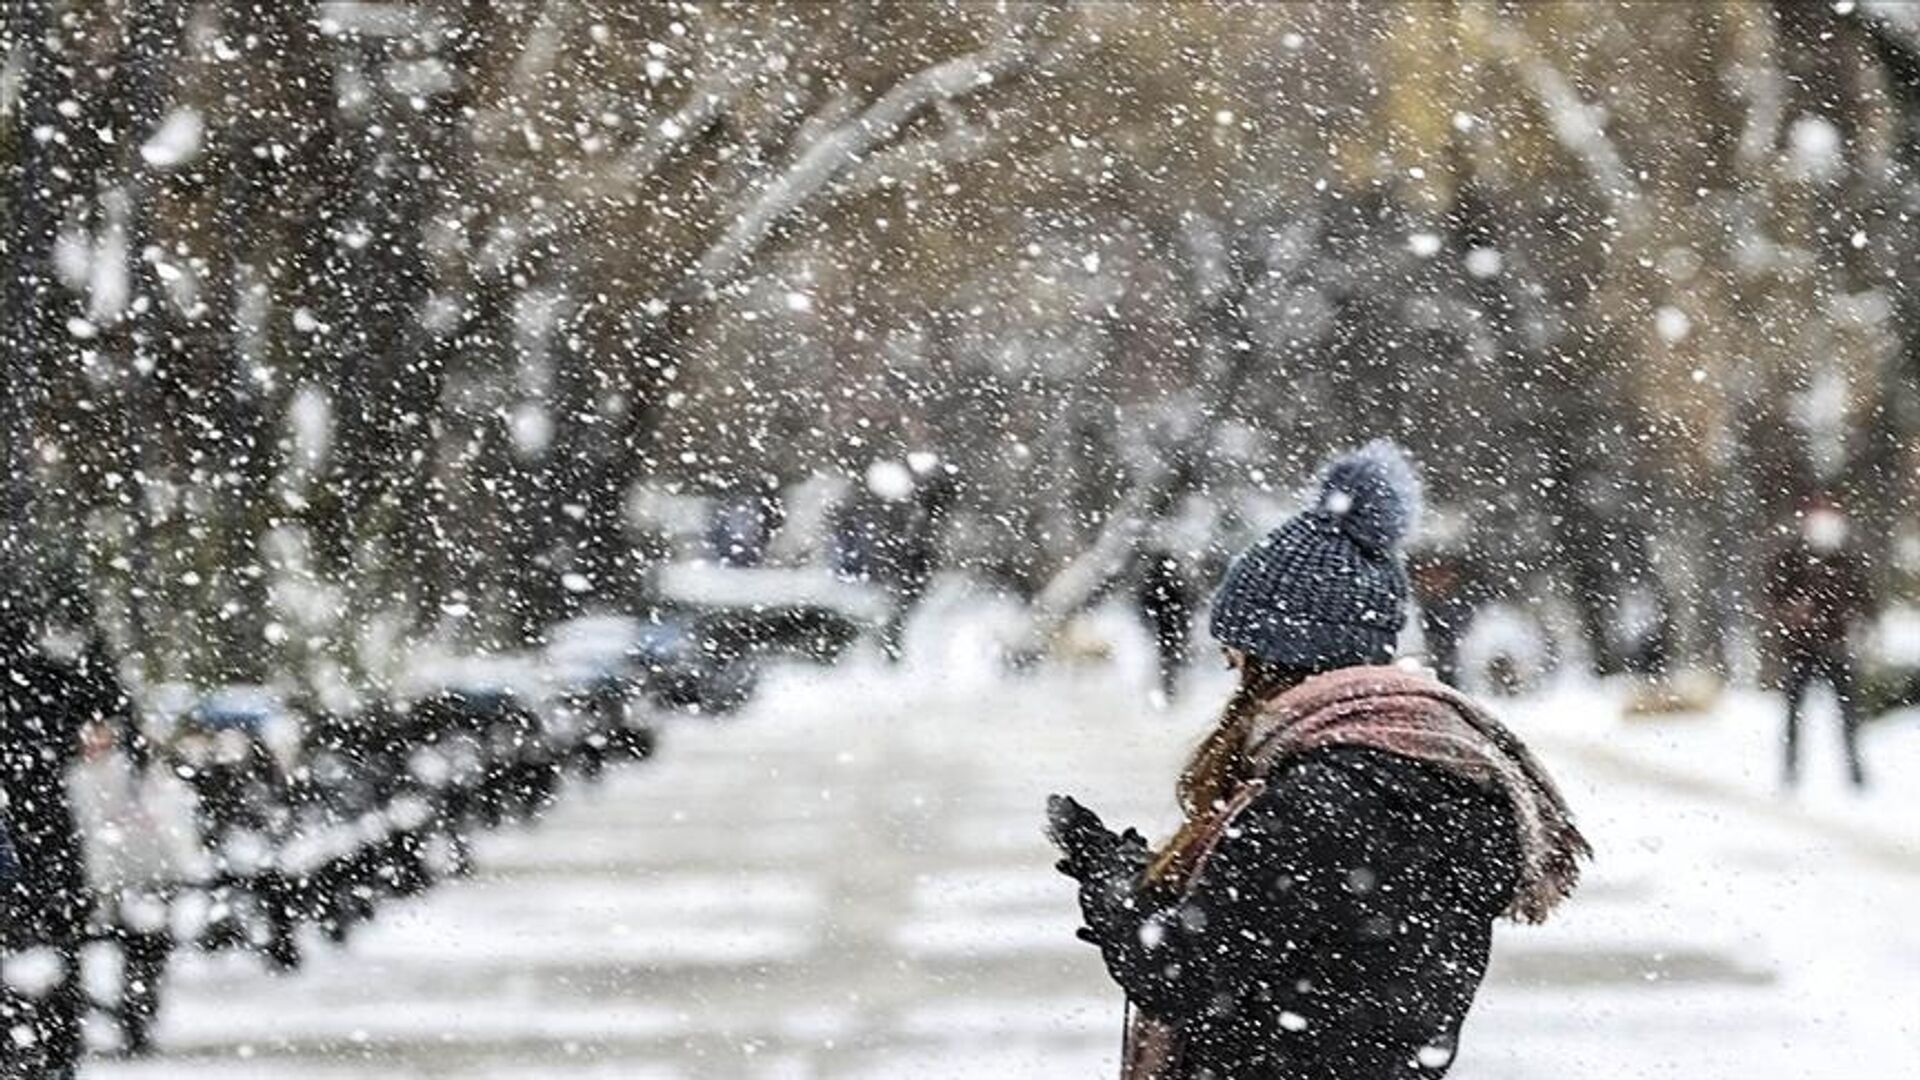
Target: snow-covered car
x=744 y=610
x=594 y=679
x=682 y=666
x=671 y=659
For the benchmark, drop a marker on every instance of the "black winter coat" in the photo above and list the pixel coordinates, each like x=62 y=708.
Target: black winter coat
x=43 y=704
x=1815 y=598
x=1338 y=932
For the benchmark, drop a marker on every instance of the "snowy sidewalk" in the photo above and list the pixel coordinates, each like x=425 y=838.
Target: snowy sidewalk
x=1770 y=934
x=849 y=881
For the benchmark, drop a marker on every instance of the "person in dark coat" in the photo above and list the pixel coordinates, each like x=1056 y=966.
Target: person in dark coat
x=43 y=703
x=1160 y=596
x=889 y=534
x=1817 y=590
x=1353 y=829
x=1443 y=586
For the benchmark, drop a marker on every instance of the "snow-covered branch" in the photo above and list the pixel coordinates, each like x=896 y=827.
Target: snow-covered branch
x=544 y=47
x=957 y=143
x=1763 y=86
x=1576 y=125
x=712 y=95
x=704 y=106
x=1221 y=377
x=832 y=154
x=1895 y=17
x=1894 y=29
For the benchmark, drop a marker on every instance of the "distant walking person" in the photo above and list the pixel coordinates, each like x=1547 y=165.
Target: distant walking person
x=1353 y=829
x=889 y=535
x=42 y=703
x=1443 y=586
x=1817 y=589
x=1166 y=610
x=141 y=847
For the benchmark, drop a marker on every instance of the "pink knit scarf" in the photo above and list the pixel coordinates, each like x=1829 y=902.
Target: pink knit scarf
x=1411 y=716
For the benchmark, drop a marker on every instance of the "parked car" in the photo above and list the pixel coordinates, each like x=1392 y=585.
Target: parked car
x=760 y=610
x=595 y=681
x=683 y=667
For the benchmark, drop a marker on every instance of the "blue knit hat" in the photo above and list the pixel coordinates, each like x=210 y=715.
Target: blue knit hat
x=1328 y=589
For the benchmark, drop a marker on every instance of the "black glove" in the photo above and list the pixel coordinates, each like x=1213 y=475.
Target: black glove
x=1088 y=846
x=1107 y=866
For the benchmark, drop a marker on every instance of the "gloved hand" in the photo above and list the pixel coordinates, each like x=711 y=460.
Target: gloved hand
x=1107 y=866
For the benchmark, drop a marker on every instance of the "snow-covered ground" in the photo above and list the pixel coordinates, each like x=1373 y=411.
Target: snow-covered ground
x=849 y=881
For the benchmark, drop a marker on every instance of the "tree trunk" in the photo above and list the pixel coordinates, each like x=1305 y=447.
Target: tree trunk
x=28 y=292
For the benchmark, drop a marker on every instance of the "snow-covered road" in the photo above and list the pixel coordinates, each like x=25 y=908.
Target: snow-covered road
x=849 y=881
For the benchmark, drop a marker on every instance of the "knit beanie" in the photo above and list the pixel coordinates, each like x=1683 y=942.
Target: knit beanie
x=1328 y=588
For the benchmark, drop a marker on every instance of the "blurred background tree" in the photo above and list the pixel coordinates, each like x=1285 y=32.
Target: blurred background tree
x=334 y=323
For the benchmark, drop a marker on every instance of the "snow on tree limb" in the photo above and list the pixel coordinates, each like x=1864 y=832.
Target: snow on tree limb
x=826 y=159
x=1575 y=124
x=1082 y=578
x=1894 y=30
x=702 y=109
x=1221 y=376
x=705 y=104
x=544 y=48
x=1898 y=17
x=959 y=143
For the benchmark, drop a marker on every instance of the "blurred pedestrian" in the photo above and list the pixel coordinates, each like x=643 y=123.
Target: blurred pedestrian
x=1442 y=583
x=1164 y=600
x=743 y=527
x=889 y=534
x=141 y=849
x=43 y=701
x=1817 y=590
x=1645 y=632
x=1353 y=829
x=243 y=812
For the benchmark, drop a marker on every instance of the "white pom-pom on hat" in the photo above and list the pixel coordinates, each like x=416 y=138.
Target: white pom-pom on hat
x=1373 y=494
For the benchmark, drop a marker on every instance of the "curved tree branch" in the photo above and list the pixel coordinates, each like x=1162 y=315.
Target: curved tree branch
x=846 y=146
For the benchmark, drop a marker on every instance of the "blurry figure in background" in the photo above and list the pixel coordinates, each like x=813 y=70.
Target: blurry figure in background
x=1443 y=589
x=1176 y=554
x=1645 y=642
x=237 y=783
x=1644 y=628
x=1816 y=590
x=1163 y=597
x=743 y=526
x=807 y=511
x=242 y=813
x=889 y=534
x=1507 y=650
x=44 y=700
x=141 y=849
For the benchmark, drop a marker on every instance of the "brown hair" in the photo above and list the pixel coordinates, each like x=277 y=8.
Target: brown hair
x=1219 y=762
